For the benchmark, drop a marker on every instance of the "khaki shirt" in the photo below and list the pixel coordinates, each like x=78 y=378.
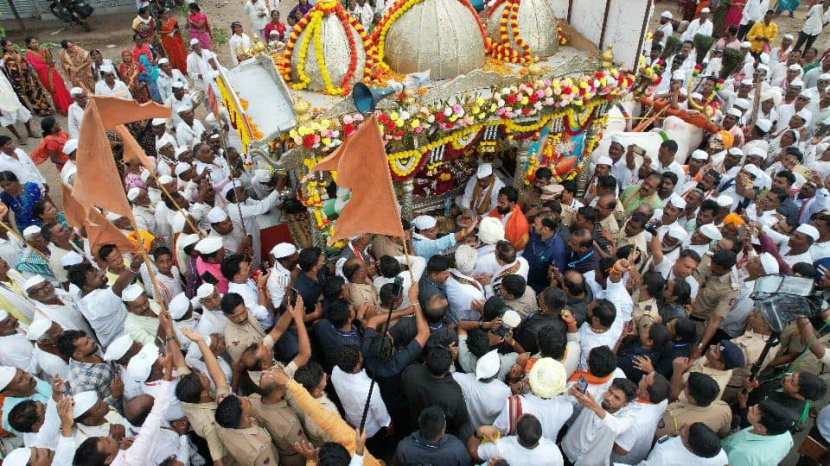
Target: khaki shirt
x=360 y=293
x=610 y=224
x=525 y=304
x=717 y=416
x=386 y=246
x=251 y=446
x=202 y=418
x=239 y=337
x=284 y=426
x=721 y=377
x=645 y=314
x=716 y=297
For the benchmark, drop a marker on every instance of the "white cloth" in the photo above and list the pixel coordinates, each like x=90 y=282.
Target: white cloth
x=365 y=14
x=67 y=315
x=814 y=21
x=754 y=10
x=695 y=27
x=247 y=212
x=74 y=116
x=187 y=135
x=49 y=365
x=484 y=400
x=590 y=439
x=22 y=166
x=139 y=453
x=552 y=414
x=417 y=266
x=277 y=284
x=17 y=351
x=49 y=433
x=258 y=15
x=466 y=200
x=105 y=312
x=462 y=294
x=165 y=83
x=199 y=68
x=118 y=89
x=670 y=451
x=352 y=390
x=546 y=453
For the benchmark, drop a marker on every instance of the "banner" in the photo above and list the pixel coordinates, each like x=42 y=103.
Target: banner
x=236 y=113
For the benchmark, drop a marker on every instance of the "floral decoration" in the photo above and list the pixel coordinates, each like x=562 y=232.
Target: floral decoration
x=312 y=23
x=509 y=25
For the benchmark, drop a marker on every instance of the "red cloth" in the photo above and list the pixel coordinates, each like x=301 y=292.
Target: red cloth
x=53 y=142
x=173 y=43
x=51 y=79
x=279 y=27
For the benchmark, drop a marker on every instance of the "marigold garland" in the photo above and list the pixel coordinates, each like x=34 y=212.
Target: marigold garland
x=312 y=23
x=509 y=24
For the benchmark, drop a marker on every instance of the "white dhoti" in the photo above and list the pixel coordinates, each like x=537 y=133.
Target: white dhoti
x=11 y=109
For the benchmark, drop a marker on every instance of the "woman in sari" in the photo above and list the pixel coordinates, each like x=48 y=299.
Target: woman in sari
x=130 y=71
x=789 y=6
x=298 y=12
x=199 y=27
x=172 y=41
x=44 y=65
x=21 y=198
x=143 y=55
x=735 y=13
x=77 y=64
x=145 y=25
x=24 y=82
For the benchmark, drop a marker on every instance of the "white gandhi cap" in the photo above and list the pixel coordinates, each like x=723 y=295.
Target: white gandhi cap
x=283 y=250
x=118 y=348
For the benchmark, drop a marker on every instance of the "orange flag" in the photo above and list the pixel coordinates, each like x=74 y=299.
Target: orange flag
x=98 y=183
x=75 y=212
x=100 y=231
x=362 y=166
x=132 y=150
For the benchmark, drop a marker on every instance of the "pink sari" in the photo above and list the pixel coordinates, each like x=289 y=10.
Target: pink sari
x=51 y=79
x=735 y=13
x=200 y=29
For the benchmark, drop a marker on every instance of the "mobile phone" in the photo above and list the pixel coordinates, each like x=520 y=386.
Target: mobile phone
x=582 y=385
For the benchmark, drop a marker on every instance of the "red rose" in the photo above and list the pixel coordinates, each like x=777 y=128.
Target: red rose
x=511 y=99
x=309 y=140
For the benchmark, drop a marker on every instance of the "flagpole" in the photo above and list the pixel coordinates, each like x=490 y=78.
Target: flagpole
x=386 y=329
x=147 y=263
x=176 y=205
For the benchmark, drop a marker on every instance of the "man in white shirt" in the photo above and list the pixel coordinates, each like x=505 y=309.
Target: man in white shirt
x=591 y=438
x=666 y=27
x=364 y=13
x=55 y=305
x=189 y=131
x=352 y=386
x=652 y=398
x=245 y=211
x=110 y=85
x=239 y=41
x=813 y=24
x=697 y=444
x=543 y=397
x=390 y=270
x=702 y=25
x=202 y=65
x=15 y=160
x=464 y=293
x=17 y=349
x=285 y=260
x=167 y=76
x=257 y=12
x=527 y=447
x=599 y=329
x=100 y=304
x=754 y=11
x=75 y=114
x=483 y=391
x=179 y=97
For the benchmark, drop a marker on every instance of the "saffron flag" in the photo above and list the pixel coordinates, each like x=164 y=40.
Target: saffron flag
x=75 y=212
x=362 y=166
x=100 y=231
x=98 y=183
x=132 y=150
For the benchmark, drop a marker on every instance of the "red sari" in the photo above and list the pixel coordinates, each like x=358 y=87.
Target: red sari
x=173 y=43
x=51 y=79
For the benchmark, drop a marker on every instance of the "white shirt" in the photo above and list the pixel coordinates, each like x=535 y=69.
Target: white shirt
x=10 y=250
x=174 y=103
x=67 y=315
x=145 y=218
x=546 y=453
x=74 y=116
x=484 y=400
x=754 y=10
x=165 y=83
x=469 y=189
x=237 y=44
x=552 y=414
x=187 y=135
x=22 y=166
x=417 y=265
x=258 y=14
x=105 y=312
x=695 y=28
x=352 y=389
x=199 y=68
x=49 y=365
x=249 y=295
x=277 y=284
x=589 y=440
x=814 y=21
x=638 y=439
x=49 y=433
x=670 y=451
x=365 y=14
x=212 y=322
x=118 y=89
x=589 y=339
x=461 y=295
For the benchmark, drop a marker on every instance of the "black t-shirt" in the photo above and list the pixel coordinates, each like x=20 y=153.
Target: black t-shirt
x=423 y=390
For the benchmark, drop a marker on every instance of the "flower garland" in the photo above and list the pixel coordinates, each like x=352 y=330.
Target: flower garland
x=509 y=24
x=312 y=23
x=399 y=8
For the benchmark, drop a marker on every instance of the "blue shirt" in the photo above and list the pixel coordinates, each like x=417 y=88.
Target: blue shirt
x=540 y=254
x=43 y=391
x=427 y=248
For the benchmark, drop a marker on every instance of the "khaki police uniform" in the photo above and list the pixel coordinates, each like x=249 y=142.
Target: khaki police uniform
x=284 y=426
x=239 y=337
x=202 y=418
x=717 y=416
x=251 y=446
x=716 y=297
x=721 y=377
x=361 y=293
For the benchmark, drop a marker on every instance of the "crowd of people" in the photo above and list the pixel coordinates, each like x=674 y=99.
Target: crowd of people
x=597 y=323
